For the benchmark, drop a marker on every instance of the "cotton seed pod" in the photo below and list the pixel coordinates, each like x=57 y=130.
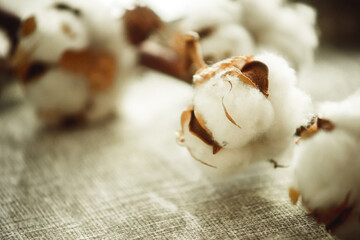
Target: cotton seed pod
x=326 y=168
x=244 y=109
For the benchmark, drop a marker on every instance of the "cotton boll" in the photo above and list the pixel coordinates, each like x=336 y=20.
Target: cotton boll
x=326 y=167
x=73 y=61
x=245 y=109
x=225 y=94
x=326 y=176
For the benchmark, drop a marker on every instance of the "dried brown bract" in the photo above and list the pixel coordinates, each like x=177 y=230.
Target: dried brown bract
x=97 y=67
x=140 y=23
x=204 y=134
x=28 y=27
x=316 y=124
x=258 y=72
x=64 y=7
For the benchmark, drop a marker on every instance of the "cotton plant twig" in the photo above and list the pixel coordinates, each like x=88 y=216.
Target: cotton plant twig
x=276 y=164
x=181 y=65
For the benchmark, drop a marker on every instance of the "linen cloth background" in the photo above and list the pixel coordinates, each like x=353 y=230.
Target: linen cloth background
x=126 y=178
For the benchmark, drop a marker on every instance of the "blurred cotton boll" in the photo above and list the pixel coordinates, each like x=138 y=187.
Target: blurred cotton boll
x=326 y=167
x=288 y=29
x=73 y=59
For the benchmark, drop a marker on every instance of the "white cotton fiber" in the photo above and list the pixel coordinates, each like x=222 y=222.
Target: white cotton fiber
x=59 y=91
x=212 y=14
x=244 y=123
x=327 y=165
x=237 y=41
x=4 y=44
x=290 y=104
x=282 y=27
x=344 y=114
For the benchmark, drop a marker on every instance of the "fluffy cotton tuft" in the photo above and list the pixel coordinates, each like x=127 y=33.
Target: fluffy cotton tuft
x=51 y=92
x=237 y=41
x=274 y=28
x=198 y=16
x=241 y=122
x=326 y=168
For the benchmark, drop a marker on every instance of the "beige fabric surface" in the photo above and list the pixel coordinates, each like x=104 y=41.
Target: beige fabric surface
x=126 y=178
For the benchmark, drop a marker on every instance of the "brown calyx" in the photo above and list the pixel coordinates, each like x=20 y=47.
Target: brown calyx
x=25 y=69
x=197 y=127
x=294 y=195
x=140 y=23
x=205 y=32
x=258 y=73
x=28 y=27
x=185 y=121
x=314 y=127
x=325 y=124
x=65 y=7
x=97 y=67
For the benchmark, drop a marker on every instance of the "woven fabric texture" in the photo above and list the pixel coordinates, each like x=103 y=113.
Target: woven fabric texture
x=126 y=178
